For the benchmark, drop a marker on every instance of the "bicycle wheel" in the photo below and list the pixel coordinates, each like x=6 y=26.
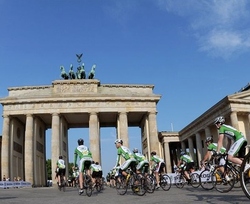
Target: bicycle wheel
x=121 y=185
x=195 y=181
x=138 y=186
x=205 y=179
x=165 y=182
x=245 y=176
x=150 y=184
x=63 y=184
x=88 y=185
x=237 y=183
x=222 y=184
x=98 y=186
x=179 y=180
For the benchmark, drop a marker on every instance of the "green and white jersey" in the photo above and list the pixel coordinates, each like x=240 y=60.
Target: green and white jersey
x=230 y=132
x=95 y=167
x=139 y=157
x=83 y=152
x=156 y=159
x=125 y=152
x=186 y=158
x=61 y=164
x=213 y=147
x=75 y=174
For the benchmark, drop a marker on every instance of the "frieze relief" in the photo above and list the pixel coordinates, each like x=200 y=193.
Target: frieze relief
x=75 y=88
x=76 y=105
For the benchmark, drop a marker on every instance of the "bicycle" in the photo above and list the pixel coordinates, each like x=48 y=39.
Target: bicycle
x=164 y=182
x=245 y=175
x=205 y=177
x=98 y=184
x=223 y=176
x=63 y=183
x=181 y=179
x=87 y=183
x=134 y=181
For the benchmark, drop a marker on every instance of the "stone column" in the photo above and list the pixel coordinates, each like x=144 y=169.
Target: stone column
x=167 y=156
x=94 y=137
x=5 y=155
x=55 y=141
x=183 y=146
x=198 y=147
x=234 y=120
x=123 y=128
x=207 y=132
x=191 y=147
x=153 y=133
x=29 y=150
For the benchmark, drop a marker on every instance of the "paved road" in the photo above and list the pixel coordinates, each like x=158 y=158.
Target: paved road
x=49 y=195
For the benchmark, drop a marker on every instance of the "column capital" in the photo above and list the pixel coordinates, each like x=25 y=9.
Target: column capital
x=152 y=112
x=93 y=113
x=29 y=115
x=55 y=114
x=5 y=116
x=123 y=113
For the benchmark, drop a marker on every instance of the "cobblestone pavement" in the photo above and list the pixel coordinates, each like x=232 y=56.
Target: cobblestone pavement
x=188 y=194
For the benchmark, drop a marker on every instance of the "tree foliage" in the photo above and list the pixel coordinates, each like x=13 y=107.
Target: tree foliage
x=49 y=171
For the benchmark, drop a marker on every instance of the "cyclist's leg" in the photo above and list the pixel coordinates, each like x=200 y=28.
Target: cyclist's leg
x=87 y=164
x=81 y=169
x=156 y=172
x=94 y=176
x=59 y=176
x=63 y=174
x=237 y=147
x=124 y=167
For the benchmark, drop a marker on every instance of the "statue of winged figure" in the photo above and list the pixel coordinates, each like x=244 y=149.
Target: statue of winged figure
x=80 y=74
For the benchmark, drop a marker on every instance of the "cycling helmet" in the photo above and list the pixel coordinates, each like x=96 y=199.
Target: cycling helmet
x=219 y=119
x=135 y=150
x=182 y=153
x=60 y=157
x=209 y=139
x=80 y=141
x=119 y=141
x=153 y=153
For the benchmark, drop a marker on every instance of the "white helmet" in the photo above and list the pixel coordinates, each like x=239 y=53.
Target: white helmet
x=219 y=119
x=182 y=153
x=135 y=150
x=119 y=141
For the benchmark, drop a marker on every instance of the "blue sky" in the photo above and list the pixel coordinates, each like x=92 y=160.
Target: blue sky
x=194 y=52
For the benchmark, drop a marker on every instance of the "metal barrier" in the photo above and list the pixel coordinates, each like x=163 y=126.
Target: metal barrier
x=14 y=184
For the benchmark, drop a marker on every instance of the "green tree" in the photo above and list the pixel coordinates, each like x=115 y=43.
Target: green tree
x=49 y=171
x=70 y=169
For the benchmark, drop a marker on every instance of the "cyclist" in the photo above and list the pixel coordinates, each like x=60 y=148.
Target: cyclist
x=96 y=170
x=127 y=155
x=85 y=157
x=211 y=148
x=158 y=166
x=75 y=177
x=142 y=162
x=186 y=163
x=236 y=142
x=60 y=170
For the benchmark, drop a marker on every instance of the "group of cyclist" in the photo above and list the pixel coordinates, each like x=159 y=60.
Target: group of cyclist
x=93 y=169
x=137 y=161
x=235 y=148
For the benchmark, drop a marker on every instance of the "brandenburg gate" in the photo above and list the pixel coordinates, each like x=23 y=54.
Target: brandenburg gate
x=80 y=103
